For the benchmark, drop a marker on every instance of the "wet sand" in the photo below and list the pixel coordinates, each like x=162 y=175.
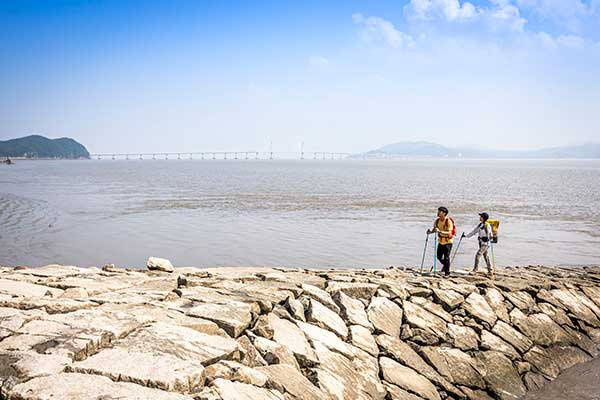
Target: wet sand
x=581 y=382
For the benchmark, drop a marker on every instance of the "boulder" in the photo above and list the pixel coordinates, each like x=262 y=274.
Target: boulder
x=321 y=296
x=540 y=328
x=159 y=264
x=407 y=379
x=552 y=360
x=396 y=393
x=449 y=298
x=512 y=336
x=228 y=390
x=496 y=300
x=327 y=338
x=87 y=387
x=325 y=318
x=289 y=335
x=352 y=310
x=274 y=353
x=385 y=315
x=522 y=300
x=250 y=356
x=463 y=337
x=418 y=317
x=233 y=317
x=342 y=378
x=293 y=382
x=501 y=378
x=157 y=370
x=576 y=306
x=456 y=366
x=361 y=337
x=295 y=308
x=356 y=290
x=489 y=341
x=478 y=308
x=403 y=353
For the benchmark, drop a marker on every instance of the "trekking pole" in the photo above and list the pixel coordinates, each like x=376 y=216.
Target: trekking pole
x=493 y=260
x=434 y=252
x=424 y=251
x=456 y=251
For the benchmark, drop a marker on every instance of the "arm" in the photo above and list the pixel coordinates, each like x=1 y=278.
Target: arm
x=474 y=231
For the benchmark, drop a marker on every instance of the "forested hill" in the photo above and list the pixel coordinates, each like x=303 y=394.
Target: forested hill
x=36 y=146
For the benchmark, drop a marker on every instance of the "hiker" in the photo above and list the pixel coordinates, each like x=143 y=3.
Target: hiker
x=484 y=236
x=445 y=229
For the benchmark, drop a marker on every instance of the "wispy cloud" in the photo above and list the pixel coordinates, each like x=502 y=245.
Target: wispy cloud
x=450 y=10
x=376 y=30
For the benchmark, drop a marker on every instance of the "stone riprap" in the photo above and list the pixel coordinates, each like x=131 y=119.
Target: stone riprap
x=262 y=333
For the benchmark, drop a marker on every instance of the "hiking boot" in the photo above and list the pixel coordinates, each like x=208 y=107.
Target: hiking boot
x=474 y=271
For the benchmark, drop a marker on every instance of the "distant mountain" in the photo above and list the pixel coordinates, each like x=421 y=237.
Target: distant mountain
x=36 y=146
x=428 y=149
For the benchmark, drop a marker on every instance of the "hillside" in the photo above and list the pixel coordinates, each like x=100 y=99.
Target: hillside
x=36 y=146
x=428 y=149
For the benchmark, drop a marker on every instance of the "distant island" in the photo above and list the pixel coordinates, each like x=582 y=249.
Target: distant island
x=428 y=149
x=36 y=146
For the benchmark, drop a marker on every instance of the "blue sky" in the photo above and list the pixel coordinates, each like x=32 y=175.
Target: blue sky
x=338 y=75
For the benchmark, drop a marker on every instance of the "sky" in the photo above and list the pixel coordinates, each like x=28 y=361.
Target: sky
x=344 y=76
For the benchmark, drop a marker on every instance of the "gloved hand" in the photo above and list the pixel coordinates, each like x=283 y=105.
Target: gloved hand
x=463 y=235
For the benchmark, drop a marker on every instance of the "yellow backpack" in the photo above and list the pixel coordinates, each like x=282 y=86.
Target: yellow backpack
x=494 y=223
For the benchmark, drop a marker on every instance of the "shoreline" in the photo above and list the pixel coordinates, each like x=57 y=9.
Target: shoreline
x=265 y=333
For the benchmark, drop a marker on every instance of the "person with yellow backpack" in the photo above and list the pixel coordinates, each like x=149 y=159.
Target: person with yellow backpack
x=446 y=229
x=484 y=236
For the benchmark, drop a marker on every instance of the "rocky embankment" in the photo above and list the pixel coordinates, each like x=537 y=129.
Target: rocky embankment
x=261 y=334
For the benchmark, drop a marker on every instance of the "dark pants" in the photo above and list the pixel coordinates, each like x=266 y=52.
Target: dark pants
x=443 y=254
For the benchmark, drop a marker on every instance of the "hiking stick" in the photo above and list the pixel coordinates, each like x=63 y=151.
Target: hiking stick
x=424 y=251
x=456 y=251
x=434 y=252
x=493 y=260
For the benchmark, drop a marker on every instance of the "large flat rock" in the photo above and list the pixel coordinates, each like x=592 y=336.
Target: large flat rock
x=87 y=387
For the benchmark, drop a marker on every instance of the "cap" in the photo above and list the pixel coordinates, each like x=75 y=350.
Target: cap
x=484 y=215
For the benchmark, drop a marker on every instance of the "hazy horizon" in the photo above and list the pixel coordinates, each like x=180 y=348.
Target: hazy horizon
x=347 y=76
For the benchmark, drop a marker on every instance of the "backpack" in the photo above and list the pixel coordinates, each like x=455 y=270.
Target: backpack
x=446 y=224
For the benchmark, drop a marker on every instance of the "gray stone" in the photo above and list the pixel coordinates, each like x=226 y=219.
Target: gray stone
x=403 y=353
x=385 y=315
x=512 y=336
x=352 y=310
x=274 y=353
x=361 y=337
x=356 y=290
x=327 y=338
x=228 y=390
x=295 y=308
x=420 y=318
x=463 y=337
x=325 y=318
x=159 y=264
x=321 y=296
x=500 y=376
x=552 y=360
x=407 y=379
x=342 y=378
x=158 y=370
x=449 y=298
x=489 y=341
x=496 y=300
x=86 y=387
x=456 y=366
x=289 y=335
x=233 y=317
x=294 y=382
x=476 y=305
x=540 y=328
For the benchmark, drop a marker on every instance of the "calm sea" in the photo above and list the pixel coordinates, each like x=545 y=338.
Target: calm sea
x=292 y=213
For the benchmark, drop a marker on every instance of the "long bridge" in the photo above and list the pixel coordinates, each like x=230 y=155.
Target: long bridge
x=224 y=155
